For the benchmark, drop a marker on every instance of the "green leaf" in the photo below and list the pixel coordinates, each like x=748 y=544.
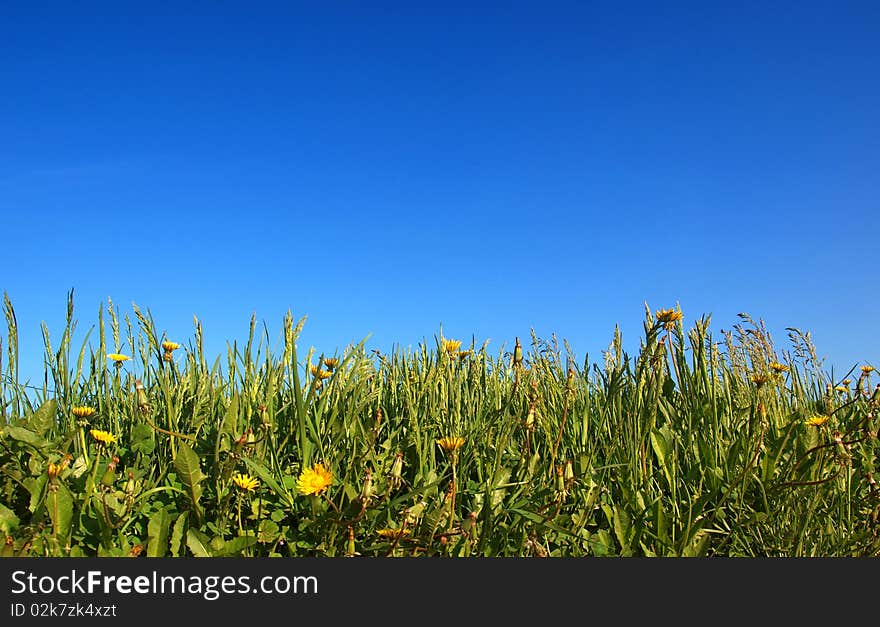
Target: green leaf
x=230 y=419
x=186 y=463
x=198 y=543
x=660 y=442
x=25 y=435
x=142 y=439
x=157 y=533
x=622 y=530
x=177 y=534
x=263 y=473
x=8 y=520
x=44 y=418
x=59 y=504
x=235 y=546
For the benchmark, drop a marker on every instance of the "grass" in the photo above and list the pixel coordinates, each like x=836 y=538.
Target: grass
x=695 y=446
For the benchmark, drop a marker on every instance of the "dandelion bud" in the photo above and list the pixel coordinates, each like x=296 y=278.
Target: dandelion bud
x=349 y=552
x=560 y=478
x=110 y=473
x=367 y=489
x=396 y=469
x=568 y=474
x=517 y=354
x=129 y=485
x=142 y=401
x=8 y=549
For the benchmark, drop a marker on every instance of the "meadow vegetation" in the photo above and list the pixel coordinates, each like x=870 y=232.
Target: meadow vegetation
x=135 y=444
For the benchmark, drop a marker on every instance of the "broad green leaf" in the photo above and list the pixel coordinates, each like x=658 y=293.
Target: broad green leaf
x=142 y=439
x=198 y=543
x=26 y=435
x=235 y=546
x=8 y=520
x=44 y=418
x=157 y=533
x=263 y=473
x=622 y=530
x=186 y=463
x=177 y=535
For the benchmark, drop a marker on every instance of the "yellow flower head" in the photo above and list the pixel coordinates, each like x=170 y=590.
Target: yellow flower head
x=777 y=367
x=759 y=379
x=170 y=346
x=817 y=420
x=118 y=357
x=669 y=317
x=331 y=362
x=245 y=482
x=451 y=346
x=450 y=444
x=463 y=354
x=846 y=381
x=320 y=373
x=314 y=480
x=104 y=437
x=867 y=369
x=53 y=470
x=389 y=532
x=841 y=388
x=83 y=411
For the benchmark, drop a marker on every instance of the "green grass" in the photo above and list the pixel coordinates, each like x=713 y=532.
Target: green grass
x=694 y=446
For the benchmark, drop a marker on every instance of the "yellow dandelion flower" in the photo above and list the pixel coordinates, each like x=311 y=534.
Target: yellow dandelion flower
x=759 y=379
x=320 y=373
x=867 y=369
x=391 y=533
x=118 y=358
x=669 y=317
x=53 y=470
x=332 y=363
x=777 y=367
x=463 y=354
x=104 y=437
x=170 y=346
x=846 y=381
x=450 y=444
x=314 y=480
x=841 y=389
x=83 y=411
x=817 y=420
x=451 y=346
x=245 y=482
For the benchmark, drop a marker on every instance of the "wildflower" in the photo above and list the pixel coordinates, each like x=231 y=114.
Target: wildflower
x=759 y=379
x=331 y=362
x=104 y=437
x=817 y=420
x=867 y=369
x=841 y=388
x=450 y=444
x=83 y=411
x=319 y=373
x=846 y=382
x=245 y=482
x=463 y=354
x=451 y=346
x=314 y=480
x=169 y=348
x=53 y=470
x=777 y=367
x=392 y=533
x=669 y=317
x=118 y=358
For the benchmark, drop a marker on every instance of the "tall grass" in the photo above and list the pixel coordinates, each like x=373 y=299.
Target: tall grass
x=695 y=446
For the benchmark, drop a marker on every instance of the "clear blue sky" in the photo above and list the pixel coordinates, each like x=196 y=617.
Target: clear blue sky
x=389 y=167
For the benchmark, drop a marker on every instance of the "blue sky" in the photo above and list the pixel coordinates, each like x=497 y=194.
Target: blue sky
x=387 y=168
